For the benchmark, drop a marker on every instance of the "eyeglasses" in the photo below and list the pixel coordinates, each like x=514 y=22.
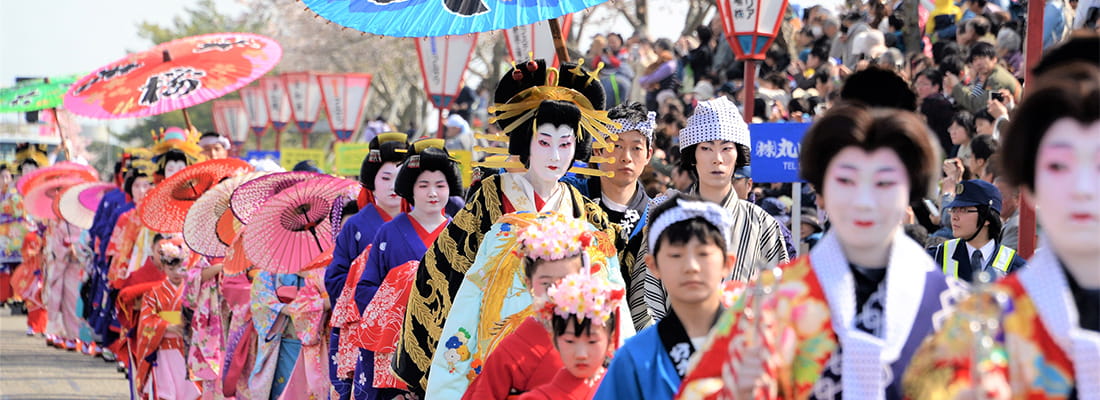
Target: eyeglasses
x=962 y=210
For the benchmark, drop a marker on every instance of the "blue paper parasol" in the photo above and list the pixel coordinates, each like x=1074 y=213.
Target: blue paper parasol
x=430 y=18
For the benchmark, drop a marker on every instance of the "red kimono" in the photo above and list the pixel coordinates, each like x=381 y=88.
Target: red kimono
x=160 y=308
x=523 y=361
x=565 y=386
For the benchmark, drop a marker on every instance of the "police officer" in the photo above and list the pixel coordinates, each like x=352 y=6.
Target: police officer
x=976 y=225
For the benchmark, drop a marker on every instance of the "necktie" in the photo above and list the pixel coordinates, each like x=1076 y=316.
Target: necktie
x=977 y=264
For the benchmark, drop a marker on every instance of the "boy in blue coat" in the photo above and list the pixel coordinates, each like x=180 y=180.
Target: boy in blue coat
x=688 y=240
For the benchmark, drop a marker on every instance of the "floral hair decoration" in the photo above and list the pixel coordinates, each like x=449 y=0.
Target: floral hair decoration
x=585 y=296
x=172 y=251
x=554 y=238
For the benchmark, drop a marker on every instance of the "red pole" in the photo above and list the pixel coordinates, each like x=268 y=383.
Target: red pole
x=1033 y=50
x=750 y=83
x=305 y=140
x=258 y=145
x=441 y=134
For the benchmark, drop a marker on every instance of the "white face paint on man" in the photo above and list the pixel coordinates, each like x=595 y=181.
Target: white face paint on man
x=866 y=195
x=552 y=151
x=1067 y=186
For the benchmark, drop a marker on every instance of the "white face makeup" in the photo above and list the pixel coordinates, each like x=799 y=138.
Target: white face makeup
x=866 y=195
x=384 y=182
x=1067 y=187
x=714 y=162
x=172 y=167
x=552 y=151
x=430 y=192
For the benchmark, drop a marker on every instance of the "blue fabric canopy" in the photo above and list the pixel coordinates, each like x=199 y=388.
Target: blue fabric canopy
x=429 y=18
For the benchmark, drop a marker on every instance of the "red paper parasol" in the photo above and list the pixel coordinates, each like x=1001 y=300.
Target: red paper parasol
x=39 y=201
x=322 y=261
x=250 y=196
x=78 y=203
x=173 y=75
x=165 y=207
x=59 y=170
x=292 y=228
x=210 y=226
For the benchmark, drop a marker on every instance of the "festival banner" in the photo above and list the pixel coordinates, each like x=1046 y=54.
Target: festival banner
x=345 y=97
x=443 y=62
x=349 y=157
x=294 y=155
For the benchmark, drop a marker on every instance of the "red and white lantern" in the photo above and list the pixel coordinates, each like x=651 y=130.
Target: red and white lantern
x=278 y=105
x=535 y=39
x=304 y=93
x=231 y=119
x=345 y=97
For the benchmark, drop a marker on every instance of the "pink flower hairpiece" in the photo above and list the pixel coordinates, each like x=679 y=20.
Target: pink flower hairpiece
x=554 y=238
x=585 y=296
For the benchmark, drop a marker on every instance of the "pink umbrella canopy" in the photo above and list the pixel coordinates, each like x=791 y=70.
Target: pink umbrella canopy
x=251 y=195
x=40 y=199
x=78 y=203
x=210 y=226
x=292 y=228
x=173 y=75
x=56 y=171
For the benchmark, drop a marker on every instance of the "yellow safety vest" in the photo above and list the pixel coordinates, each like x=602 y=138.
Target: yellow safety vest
x=951 y=266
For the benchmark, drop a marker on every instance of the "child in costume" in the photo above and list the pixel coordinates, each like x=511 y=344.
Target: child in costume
x=688 y=238
x=846 y=318
x=27 y=282
x=583 y=311
x=378 y=203
x=1036 y=333
x=11 y=231
x=426 y=180
x=161 y=370
x=550 y=117
x=527 y=358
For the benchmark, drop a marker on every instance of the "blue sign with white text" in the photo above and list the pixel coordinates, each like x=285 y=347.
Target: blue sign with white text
x=775 y=148
x=262 y=154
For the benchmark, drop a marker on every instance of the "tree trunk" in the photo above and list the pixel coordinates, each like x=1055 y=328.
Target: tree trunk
x=912 y=33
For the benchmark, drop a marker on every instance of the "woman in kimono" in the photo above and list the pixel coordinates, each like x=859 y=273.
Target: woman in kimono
x=426 y=180
x=11 y=231
x=550 y=117
x=289 y=314
x=161 y=371
x=378 y=203
x=583 y=310
x=846 y=318
x=1038 y=330
x=527 y=358
x=27 y=281
x=63 y=270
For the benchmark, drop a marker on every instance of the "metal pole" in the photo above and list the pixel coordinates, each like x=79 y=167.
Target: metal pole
x=1033 y=50
x=796 y=218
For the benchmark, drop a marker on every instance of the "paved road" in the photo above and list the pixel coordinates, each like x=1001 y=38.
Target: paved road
x=31 y=371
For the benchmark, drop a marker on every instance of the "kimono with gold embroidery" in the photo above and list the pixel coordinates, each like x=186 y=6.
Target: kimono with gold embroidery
x=1039 y=348
x=824 y=346
x=450 y=257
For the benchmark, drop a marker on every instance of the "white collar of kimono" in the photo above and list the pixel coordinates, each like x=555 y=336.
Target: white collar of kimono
x=904 y=291
x=1046 y=284
x=522 y=195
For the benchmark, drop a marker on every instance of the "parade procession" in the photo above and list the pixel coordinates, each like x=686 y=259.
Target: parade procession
x=567 y=200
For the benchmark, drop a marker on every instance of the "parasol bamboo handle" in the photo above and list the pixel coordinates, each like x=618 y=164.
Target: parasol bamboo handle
x=61 y=134
x=187 y=120
x=559 y=41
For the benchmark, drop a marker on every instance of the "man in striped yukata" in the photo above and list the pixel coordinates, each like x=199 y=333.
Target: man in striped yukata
x=714 y=143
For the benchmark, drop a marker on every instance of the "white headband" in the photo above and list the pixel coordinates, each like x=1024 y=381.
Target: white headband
x=646 y=127
x=209 y=140
x=685 y=210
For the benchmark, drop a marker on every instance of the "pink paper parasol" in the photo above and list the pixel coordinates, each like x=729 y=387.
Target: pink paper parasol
x=39 y=201
x=292 y=228
x=210 y=226
x=59 y=170
x=251 y=195
x=78 y=203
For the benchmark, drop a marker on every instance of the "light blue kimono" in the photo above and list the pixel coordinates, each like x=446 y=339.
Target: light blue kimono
x=641 y=369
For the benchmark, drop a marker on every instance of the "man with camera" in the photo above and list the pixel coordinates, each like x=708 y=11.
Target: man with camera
x=988 y=78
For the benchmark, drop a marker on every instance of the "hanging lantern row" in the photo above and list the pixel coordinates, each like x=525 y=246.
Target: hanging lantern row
x=298 y=97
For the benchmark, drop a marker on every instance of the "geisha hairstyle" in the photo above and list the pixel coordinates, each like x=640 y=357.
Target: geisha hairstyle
x=425 y=160
x=1070 y=91
x=531 y=74
x=383 y=149
x=870 y=129
x=171 y=155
